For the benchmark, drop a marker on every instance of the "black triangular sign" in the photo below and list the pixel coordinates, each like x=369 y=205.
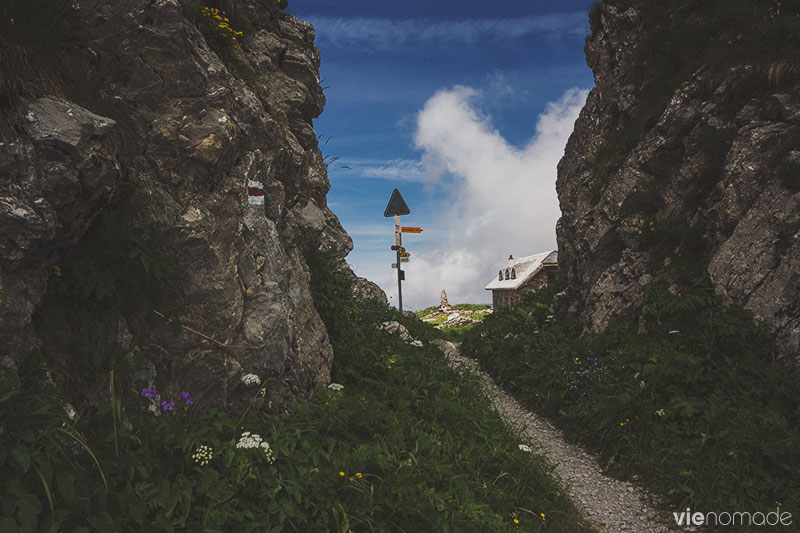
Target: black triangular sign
x=397 y=206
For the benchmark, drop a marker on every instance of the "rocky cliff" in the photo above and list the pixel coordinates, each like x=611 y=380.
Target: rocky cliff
x=172 y=141
x=685 y=161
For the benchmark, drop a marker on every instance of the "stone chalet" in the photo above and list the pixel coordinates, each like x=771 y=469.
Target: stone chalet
x=522 y=275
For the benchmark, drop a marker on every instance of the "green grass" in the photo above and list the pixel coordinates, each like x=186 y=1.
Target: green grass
x=456 y=332
x=465 y=307
x=696 y=405
x=409 y=444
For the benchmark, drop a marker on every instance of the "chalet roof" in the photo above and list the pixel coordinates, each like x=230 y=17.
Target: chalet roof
x=526 y=268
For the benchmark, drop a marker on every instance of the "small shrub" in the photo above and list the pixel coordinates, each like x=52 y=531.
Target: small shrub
x=216 y=24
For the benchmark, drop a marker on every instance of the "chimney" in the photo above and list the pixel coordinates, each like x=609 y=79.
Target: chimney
x=510 y=261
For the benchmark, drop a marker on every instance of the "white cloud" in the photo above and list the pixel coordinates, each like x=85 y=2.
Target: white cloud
x=395 y=170
x=389 y=34
x=503 y=199
x=388 y=169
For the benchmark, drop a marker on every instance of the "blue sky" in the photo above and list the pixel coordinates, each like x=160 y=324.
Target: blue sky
x=465 y=107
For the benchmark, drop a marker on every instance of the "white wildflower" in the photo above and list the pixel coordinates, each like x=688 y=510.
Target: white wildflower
x=660 y=412
x=525 y=448
x=71 y=413
x=336 y=387
x=418 y=344
x=641 y=384
x=153 y=408
x=251 y=379
x=253 y=440
x=249 y=440
x=203 y=455
x=267 y=452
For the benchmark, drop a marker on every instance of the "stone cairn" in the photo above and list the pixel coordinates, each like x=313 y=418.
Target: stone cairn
x=443 y=305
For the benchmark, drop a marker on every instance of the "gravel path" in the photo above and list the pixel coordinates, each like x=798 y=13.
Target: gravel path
x=610 y=505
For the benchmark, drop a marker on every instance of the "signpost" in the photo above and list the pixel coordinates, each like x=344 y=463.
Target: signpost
x=396 y=207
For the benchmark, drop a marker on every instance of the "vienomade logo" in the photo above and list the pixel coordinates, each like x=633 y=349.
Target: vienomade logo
x=697 y=518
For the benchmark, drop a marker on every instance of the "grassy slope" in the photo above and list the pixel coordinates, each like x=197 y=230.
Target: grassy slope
x=696 y=406
x=407 y=445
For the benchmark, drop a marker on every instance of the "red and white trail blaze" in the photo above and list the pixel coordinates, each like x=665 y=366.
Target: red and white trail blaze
x=255 y=192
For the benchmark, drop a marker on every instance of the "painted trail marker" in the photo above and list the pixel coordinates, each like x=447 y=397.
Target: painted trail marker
x=396 y=207
x=255 y=192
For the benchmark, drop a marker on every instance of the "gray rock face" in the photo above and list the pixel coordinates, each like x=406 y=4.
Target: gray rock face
x=704 y=164
x=56 y=175
x=217 y=139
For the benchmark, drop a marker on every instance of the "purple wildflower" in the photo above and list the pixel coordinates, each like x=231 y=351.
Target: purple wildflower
x=187 y=397
x=150 y=393
x=167 y=406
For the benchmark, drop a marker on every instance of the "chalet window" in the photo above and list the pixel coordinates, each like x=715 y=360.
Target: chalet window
x=513 y=273
x=507 y=274
x=500 y=276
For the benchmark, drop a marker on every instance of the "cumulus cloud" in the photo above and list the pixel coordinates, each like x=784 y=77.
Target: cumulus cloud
x=501 y=198
x=380 y=34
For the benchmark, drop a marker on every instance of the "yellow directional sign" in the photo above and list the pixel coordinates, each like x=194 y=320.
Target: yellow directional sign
x=410 y=229
x=405 y=254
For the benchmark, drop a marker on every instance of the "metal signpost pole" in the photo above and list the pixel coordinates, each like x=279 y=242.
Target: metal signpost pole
x=396 y=207
x=398 y=238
